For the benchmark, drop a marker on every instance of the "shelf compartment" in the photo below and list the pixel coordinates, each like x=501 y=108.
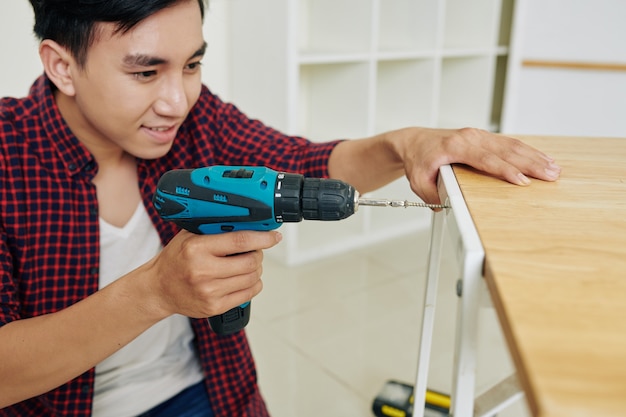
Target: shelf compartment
x=326 y=26
x=471 y=24
x=466 y=92
x=333 y=101
x=407 y=25
x=405 y=93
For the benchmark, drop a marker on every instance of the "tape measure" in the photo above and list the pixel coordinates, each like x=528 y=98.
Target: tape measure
x=396 y=400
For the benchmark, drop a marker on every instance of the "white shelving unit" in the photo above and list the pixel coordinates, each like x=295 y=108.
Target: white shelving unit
x=328 y=69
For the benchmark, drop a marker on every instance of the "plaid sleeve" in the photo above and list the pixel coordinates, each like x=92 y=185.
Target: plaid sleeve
x=9 y=308
x=240 y=140
x=8 y=300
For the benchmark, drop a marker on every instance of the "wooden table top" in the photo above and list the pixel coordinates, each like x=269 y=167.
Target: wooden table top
x=555 y=266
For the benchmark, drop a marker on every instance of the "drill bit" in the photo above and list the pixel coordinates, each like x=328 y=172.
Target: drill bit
x=397 y=203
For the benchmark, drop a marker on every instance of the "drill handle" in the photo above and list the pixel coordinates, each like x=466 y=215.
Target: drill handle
x=232 y=321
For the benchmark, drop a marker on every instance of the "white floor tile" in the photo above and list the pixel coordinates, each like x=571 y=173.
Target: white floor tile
x=327 y=335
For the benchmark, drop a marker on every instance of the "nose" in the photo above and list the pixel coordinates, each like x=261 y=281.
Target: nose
x=172 y=98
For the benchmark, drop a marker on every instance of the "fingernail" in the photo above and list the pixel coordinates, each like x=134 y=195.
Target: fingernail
x=523 y=179
x=552 y=173
x=553 y=164
x=279 y=237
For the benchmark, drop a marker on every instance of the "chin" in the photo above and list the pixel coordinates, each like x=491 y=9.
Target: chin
x=152 y=152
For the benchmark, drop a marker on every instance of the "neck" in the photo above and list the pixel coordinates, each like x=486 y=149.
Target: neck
x=117 y=189
x=104 y=151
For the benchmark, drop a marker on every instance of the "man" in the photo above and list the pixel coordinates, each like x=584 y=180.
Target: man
x=96 y=291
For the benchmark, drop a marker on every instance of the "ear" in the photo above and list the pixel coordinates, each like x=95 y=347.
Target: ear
x=58 y=64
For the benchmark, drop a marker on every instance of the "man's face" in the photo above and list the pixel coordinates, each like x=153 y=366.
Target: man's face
x=137 y=87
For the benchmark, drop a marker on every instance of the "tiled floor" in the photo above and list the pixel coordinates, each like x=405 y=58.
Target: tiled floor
x=327 y=335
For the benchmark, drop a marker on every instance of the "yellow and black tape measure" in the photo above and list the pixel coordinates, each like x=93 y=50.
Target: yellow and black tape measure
x=396 y=400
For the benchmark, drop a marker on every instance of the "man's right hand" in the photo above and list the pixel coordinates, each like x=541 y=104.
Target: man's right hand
x=206 y=275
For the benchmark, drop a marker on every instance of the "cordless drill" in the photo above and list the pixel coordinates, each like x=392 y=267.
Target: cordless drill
x=221 y=199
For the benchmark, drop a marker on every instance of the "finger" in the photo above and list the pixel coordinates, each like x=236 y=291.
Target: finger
x=425 y=186
x=528 y=160
x=236 y=298
x=537 y=168
x=210 y=273
x=225 y=282
x=494 y=165
x=239 y=265
x=244 y=241
x=511 y=160
x=222 y=294
x=213 y=306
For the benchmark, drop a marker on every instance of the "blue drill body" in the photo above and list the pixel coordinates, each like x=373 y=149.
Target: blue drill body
x=221 y=199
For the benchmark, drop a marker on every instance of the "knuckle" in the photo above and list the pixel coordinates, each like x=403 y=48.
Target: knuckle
x=250 y=262
x=511 y=144
x=247 y=261
x=489 y=159
x=517 y=143
x=189 y=248
x=459 y=141
x=471 y=133
x=467 y=131
x=240 y=241
x=254 y=290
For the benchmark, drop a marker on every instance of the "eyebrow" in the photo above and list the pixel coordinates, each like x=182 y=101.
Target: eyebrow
x=144 y=60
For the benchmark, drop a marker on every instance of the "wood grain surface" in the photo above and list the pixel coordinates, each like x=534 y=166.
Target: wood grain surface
x=556 y=270
x=575 y=65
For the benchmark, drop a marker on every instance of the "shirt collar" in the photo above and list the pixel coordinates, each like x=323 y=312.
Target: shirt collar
x=73 y=154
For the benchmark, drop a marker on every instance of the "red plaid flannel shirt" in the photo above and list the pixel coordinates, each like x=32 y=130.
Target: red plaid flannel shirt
x=49 y=243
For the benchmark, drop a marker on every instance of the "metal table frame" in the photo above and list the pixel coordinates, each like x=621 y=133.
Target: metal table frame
x=456 y=223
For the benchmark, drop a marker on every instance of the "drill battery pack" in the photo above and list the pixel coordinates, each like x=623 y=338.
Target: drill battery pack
x=396 y=400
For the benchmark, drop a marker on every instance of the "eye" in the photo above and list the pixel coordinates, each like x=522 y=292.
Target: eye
x=144 y=75
x=194 y=66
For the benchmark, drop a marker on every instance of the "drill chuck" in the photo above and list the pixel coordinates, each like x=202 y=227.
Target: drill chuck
x=314 y=199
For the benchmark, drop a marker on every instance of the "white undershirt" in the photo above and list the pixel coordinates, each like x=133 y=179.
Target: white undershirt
x=161 y=361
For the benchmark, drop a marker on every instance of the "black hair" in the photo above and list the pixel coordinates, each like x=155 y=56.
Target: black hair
x=72 y=23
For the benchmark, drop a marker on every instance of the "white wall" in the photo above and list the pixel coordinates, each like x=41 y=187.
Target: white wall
x=569 y=101
x=20 y=63
x=18 y=49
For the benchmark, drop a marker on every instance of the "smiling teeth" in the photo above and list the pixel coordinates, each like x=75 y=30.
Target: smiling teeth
x=159 y=129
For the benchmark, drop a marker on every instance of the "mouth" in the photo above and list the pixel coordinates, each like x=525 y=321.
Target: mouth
x=161 y=134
